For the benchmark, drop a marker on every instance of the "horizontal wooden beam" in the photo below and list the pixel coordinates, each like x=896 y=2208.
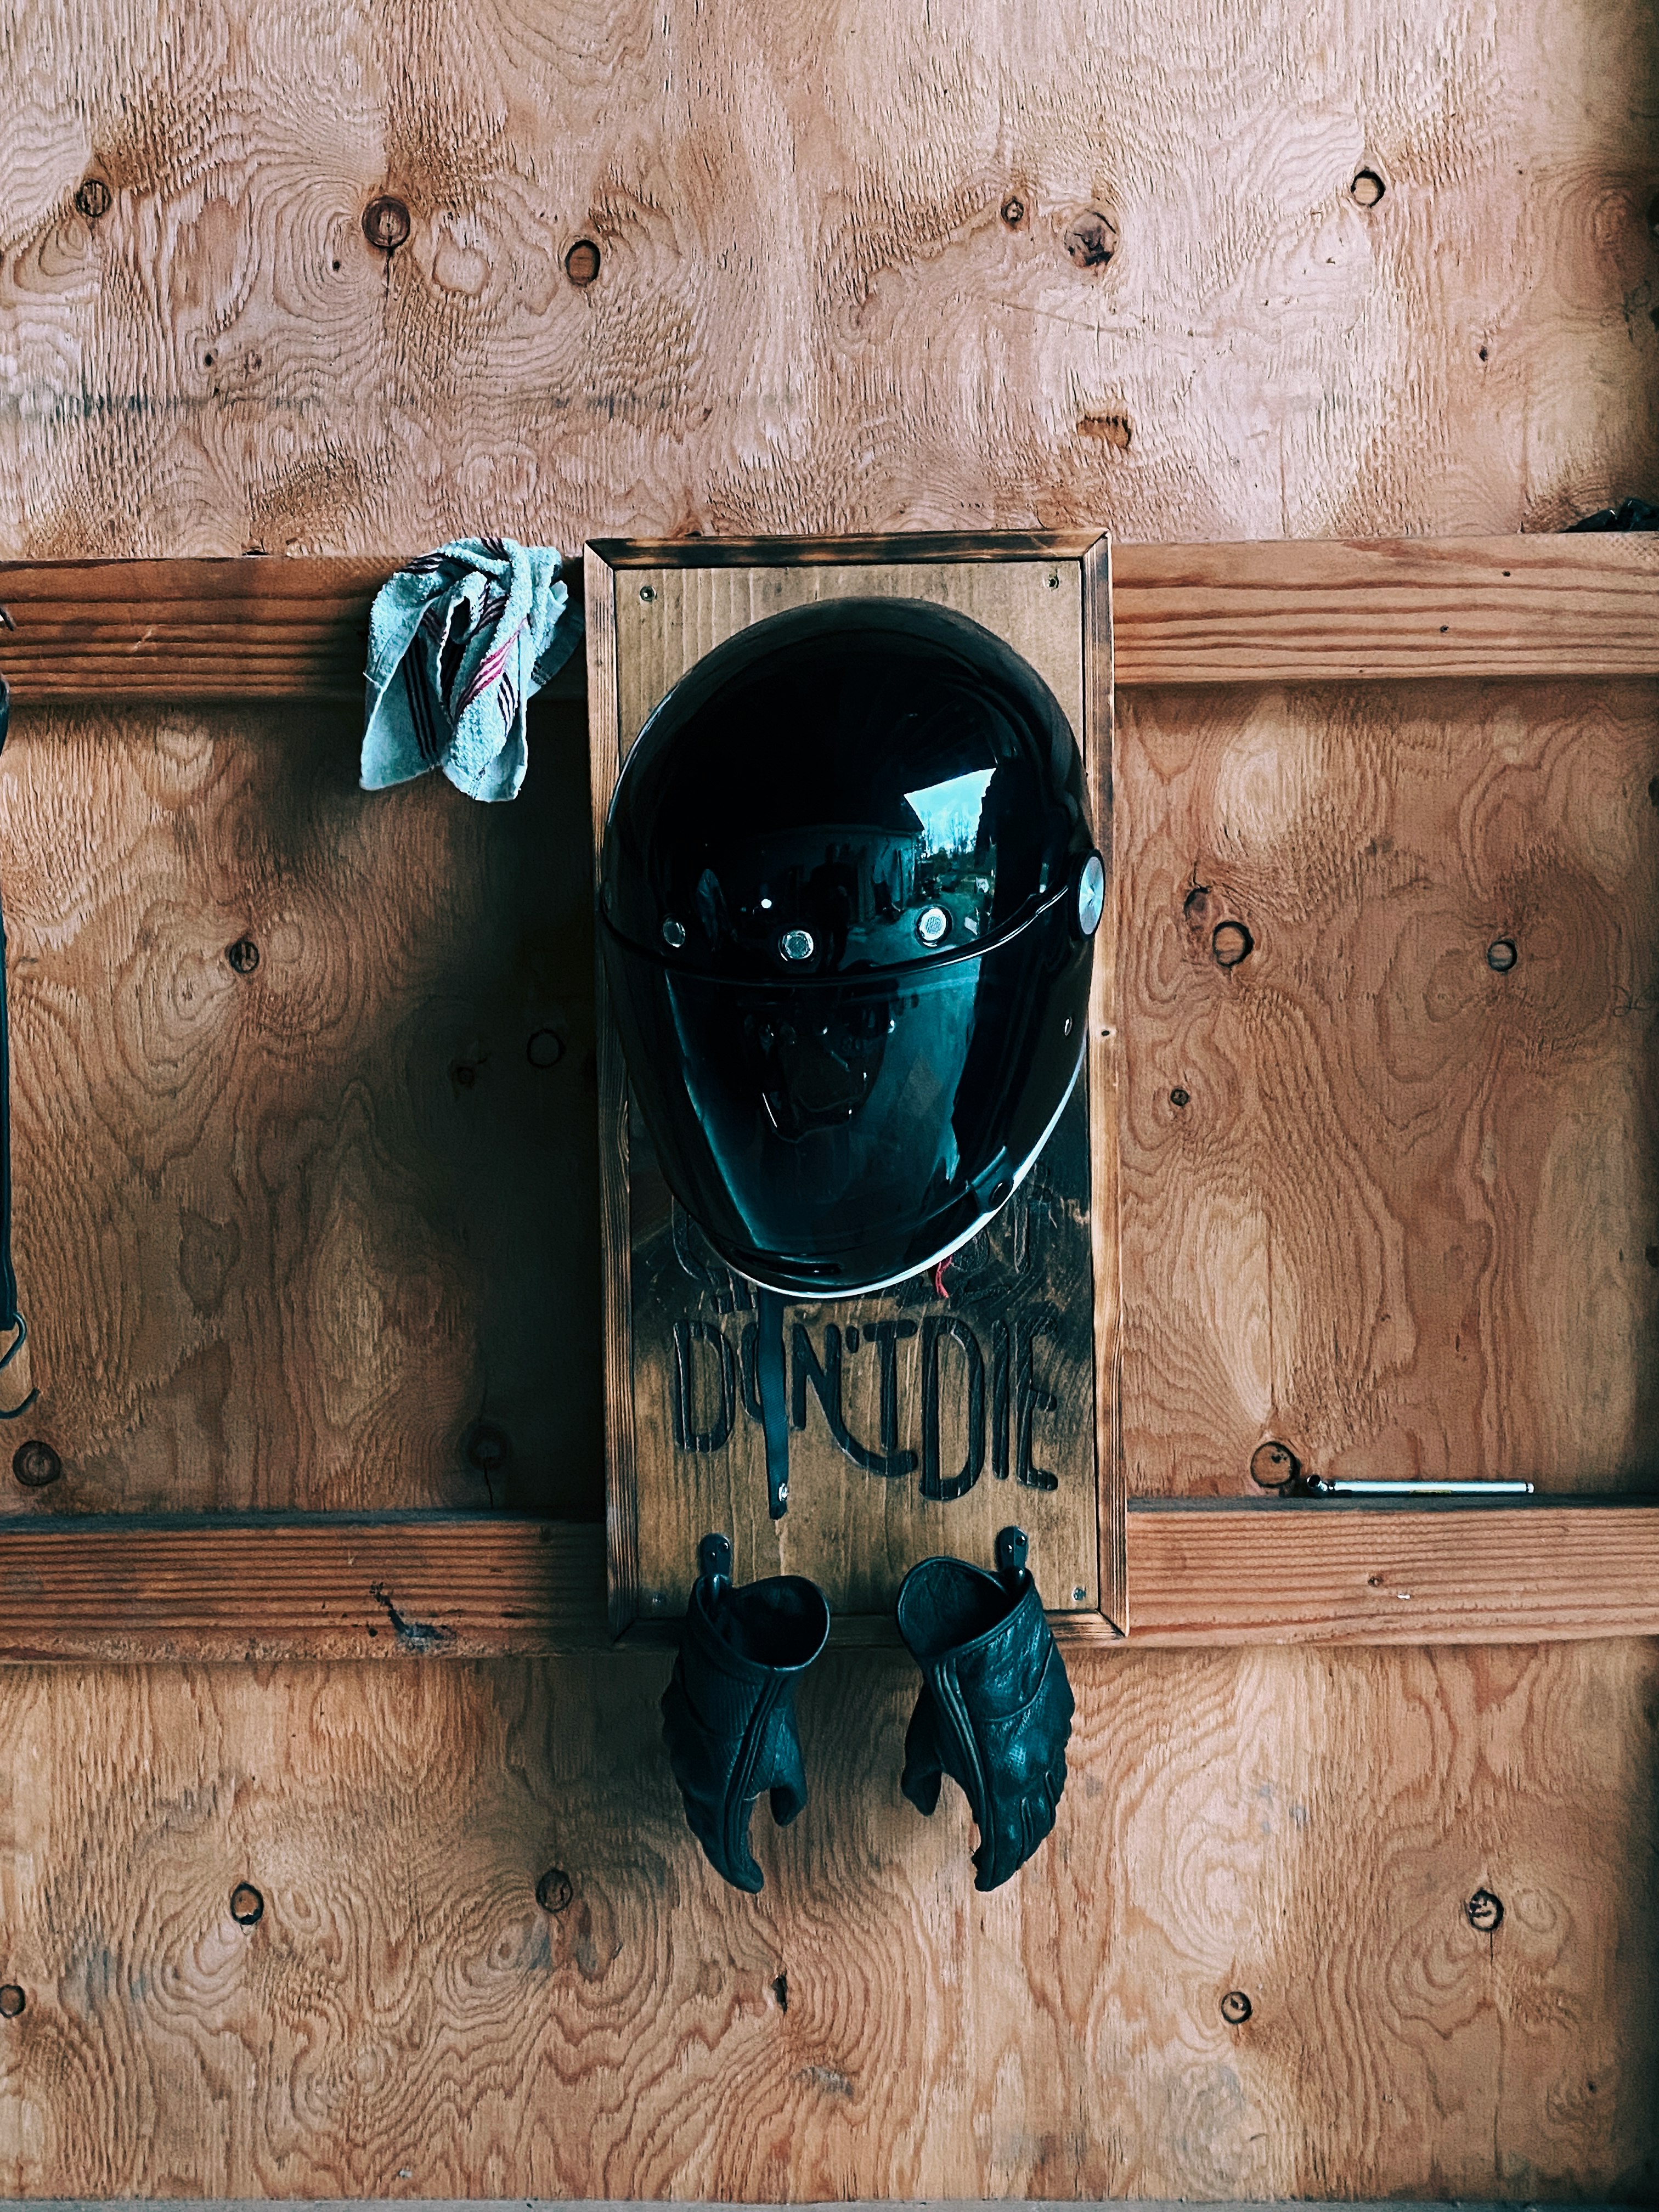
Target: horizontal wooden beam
x=1201 y=1575
x=254 y=627
x=202 y=629
x=1319 y=1572
x=1321 y=610
x=394 y=1586
x=1357 y=611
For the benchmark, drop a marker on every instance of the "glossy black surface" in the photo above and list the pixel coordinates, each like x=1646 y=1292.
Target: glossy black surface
x=841 y=933
x=884 y=779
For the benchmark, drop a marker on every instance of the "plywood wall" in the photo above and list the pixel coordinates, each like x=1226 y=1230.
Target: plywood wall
x=835 y=290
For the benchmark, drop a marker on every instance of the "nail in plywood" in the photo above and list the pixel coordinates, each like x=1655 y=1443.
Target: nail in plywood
x=1031 y=1309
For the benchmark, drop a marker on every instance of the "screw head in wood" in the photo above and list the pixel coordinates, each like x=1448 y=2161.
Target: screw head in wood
x=486 y=1447
x=555 y=1890
x=1273 y=1464
x=35 y=1464
x=1180 y=1098
x=386 y=223
x=1091 y=238
x=582 y=263
x=12 y=2001
x=1236 y=2008
x=1484 y=1912
x=247 y=1906
x=243 y=956
x=1231 y=942
x=545 y=1049
x=1501 y=955
x=1367 y=188
x=93 y=198
x=1013 y=211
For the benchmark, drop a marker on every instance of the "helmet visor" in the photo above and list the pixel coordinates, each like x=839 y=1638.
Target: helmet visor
x=844 y=1133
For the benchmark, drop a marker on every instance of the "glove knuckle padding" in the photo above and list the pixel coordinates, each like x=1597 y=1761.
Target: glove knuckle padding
x=729 y=1713
x=997 y=1707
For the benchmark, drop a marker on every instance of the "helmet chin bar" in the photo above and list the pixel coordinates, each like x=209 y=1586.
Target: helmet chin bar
x=770 y=1364
x=996 y=1185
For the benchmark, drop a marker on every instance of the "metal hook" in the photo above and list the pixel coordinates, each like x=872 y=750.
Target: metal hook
x=713 y=1560
x=6 y=1358
x=1012 y=1545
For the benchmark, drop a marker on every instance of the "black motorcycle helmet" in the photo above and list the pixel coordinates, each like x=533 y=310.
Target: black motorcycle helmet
x=848 y=895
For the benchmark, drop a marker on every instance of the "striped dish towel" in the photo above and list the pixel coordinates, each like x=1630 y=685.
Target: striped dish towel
x=459 y=642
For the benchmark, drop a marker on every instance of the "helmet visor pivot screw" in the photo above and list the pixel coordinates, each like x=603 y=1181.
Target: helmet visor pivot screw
x=1092 y=895
x=797 y=944
x=933 y=924
x=673 y=933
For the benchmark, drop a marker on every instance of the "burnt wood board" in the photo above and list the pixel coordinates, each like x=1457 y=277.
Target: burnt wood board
x=926 y=1418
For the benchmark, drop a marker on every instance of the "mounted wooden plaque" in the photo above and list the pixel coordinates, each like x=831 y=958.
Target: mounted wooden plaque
x=923 y=1419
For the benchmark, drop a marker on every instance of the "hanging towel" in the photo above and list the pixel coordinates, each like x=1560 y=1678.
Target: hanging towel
x=459 y=642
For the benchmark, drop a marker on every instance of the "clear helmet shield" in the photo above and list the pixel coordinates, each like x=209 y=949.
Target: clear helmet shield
x=848 y=893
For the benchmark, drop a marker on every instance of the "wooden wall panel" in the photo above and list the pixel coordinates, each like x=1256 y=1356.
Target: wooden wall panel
x=835 y=288
x=286 y=1236
x=1384 y=1203
x=406 y=2020
x=812 y=314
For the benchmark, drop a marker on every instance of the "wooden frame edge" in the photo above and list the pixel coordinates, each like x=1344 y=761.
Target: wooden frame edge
x=844 y=552
x=1099 y=691
x=622 y=1504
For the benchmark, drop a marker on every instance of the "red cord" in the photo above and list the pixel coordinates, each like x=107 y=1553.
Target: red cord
x=939 y=1291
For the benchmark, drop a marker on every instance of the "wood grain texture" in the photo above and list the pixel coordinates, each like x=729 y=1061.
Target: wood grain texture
x=396 y=1587
x=927 y=547
x=1333 y=1574
x=405 y=2019
x=1105 y=1222
x=1450 y=607
x=1279 y=613
x=106 y=1588
x=285 y=1236
x=1383 y=1203
x=198 y=628
x=683 y=1461
x=811 y=314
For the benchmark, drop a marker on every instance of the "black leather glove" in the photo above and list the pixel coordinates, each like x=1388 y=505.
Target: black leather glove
x=995 y=1709
x=728 y=1713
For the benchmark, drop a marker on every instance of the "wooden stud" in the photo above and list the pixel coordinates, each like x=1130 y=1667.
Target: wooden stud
x=1270 y=613
x=1206 y=1575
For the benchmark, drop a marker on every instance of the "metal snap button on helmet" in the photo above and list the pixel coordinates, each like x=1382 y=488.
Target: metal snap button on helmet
x=867 y=817
x=1092 y=895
